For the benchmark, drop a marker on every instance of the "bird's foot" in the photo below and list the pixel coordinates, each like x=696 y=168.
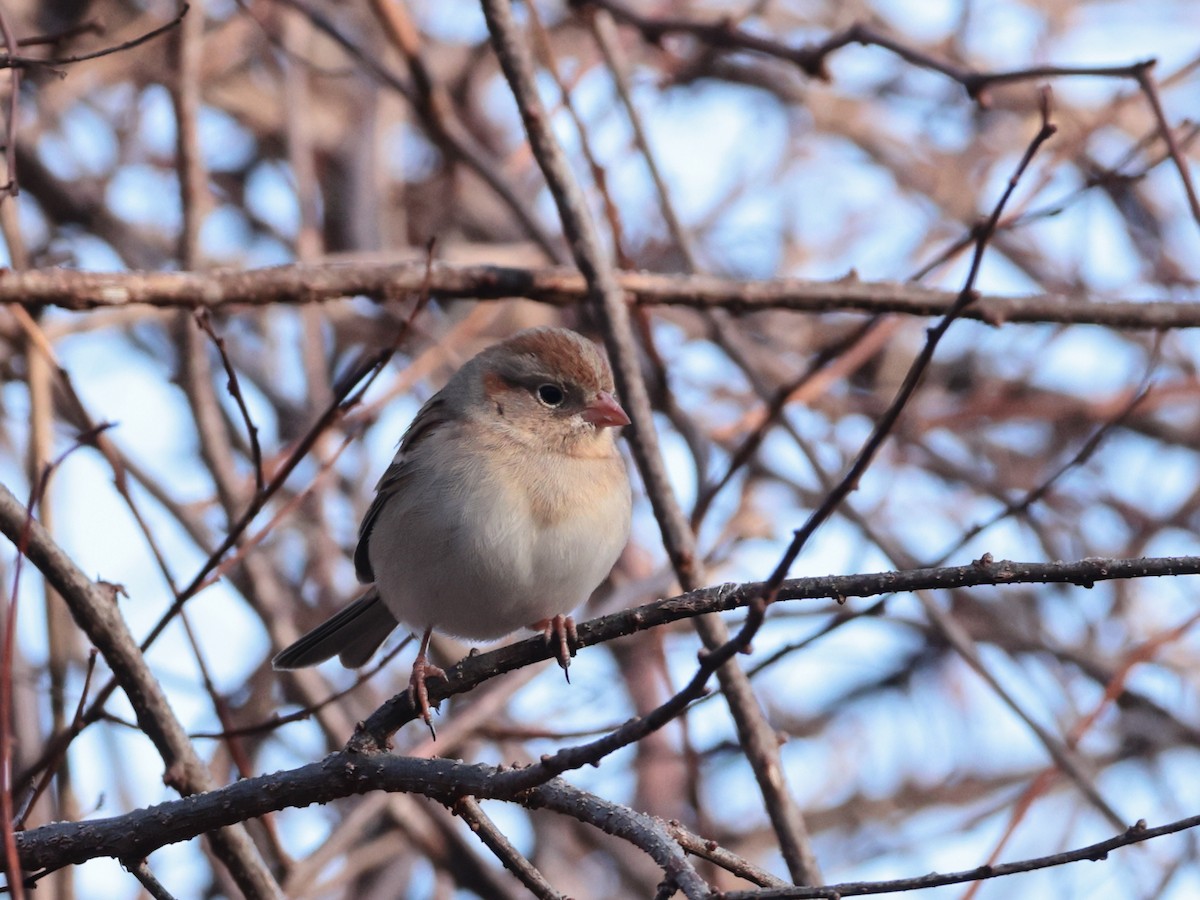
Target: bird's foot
x=419 y=693
x=560 y=630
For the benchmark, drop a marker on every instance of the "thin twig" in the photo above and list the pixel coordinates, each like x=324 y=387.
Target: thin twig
x=510 y=857
x=726 y=859
x=31 y=62
x=21 y=539
x=141 y=871
x=1136 y=834
x=812 y=59
x=888 y=420
x=1146 y=81
x=235 y=391
x=88 y=26
x=48 y=773
x=447 y=131
x=301 y=715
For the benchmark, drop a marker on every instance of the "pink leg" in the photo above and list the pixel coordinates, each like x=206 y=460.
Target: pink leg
x=422 y=669
x=560 y=629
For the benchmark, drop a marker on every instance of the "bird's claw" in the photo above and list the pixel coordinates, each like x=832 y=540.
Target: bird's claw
x=418 y=691
x=560 y=630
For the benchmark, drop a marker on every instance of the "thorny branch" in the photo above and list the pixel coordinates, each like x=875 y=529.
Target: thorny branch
x=343 y=774
x=372 y=735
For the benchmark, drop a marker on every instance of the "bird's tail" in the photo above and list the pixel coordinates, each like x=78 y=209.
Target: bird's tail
x=353 y=635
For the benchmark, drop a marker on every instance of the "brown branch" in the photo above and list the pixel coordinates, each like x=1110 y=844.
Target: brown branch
x=605 y=33
x=1022 y=505
x=307 y=712
x=8 y=643
x=1145 y=80
x=13 y=819
x=447 y=131
x=88 y=26
x=56 y=759
x=235 y=391
x=301 y=284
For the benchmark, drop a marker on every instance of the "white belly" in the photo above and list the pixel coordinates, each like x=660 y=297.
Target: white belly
x=469 y=556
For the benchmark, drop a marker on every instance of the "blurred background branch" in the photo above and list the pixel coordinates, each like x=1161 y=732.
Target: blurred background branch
x=781 y=197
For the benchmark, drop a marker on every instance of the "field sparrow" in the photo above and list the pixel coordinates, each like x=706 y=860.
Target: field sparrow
x=505 y=506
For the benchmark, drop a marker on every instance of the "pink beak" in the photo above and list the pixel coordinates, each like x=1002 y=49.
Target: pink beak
x=605 y=411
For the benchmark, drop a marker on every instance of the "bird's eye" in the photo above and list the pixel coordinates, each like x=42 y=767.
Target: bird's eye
x=551 y=395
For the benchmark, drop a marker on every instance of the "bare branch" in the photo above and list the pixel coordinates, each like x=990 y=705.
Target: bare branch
x=95 y=610
x=300 y=284
x=11 y=60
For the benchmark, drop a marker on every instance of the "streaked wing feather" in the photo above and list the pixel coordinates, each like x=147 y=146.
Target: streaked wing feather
x=432 y=415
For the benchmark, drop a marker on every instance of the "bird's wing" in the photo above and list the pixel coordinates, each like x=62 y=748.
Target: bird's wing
x=432 y=416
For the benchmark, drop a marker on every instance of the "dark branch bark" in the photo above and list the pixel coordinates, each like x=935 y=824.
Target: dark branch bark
x=472 y=670
x=137 y=834
x=94 y=607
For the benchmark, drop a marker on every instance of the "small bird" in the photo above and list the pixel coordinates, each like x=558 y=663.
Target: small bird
x=505 y=506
